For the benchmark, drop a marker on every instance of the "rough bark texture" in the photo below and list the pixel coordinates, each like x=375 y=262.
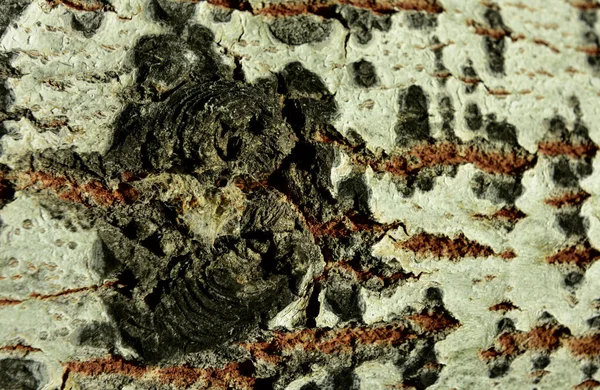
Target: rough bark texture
x=306 y=194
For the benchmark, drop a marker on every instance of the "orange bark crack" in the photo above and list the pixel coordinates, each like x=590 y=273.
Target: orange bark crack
x=580 y=255
x=323 y=7
x=569 y=199
x=180 y=376
x=342 y=340
x=440 y=246
x=68 y=189
x=559 y=148
x=503 y=306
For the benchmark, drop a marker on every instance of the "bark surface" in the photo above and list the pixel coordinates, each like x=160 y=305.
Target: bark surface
x=302 y=194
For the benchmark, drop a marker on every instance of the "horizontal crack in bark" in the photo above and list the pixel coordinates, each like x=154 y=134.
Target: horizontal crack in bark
x=19 y=348
x=559 y=148
x=434 y=322
x=547 y=338
x=406 y=162
x=83 y=5
x=585 y=5
x=345 y=340
x=451 y=154
x=511 y=214
x=180 y=376
x=539 y=41
x=441 y=246
x=323 y=7
x=88 y=194
x=587 y=384
x=10 y=302
x=343 y=227
x=504 y=306
x=367 y=274
x=568 y=199
x=581 y=255
x=587 y=346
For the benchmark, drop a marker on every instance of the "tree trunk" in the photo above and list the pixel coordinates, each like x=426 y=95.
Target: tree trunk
x=299 y=194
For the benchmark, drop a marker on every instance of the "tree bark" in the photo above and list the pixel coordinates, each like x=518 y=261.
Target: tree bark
x=299 y=194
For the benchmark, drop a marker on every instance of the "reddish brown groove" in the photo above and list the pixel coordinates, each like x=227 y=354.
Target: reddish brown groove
x=559 y=148
x=508 y=254
x=585 y=5
x=367 y=225
x=499 y=92
x=587 y=384
x=498 y=161
x=547 y=338
x=447 y=153
x=589 y=50
x=321 y=7
x=109 y=365
x=240 y=5
x=469 y=80
x=581 y=255
x=345 y=340
x=509 y=213
x=19 y=348
x=334 y=228
x=250 y=185
x=440 y=246
x=82 y=5
x=367 y=274
x=347 y=225
x=90 y=193
x=10 y=302
x=53 y=123
x=489 y=161
x=503 y=306
x=569 y=199
x=506 y=213
x=442 y=74
x=405 y=162
x=588 y=346
x=486 y=31
x=227 y=377
x=180 y=376
x=539 y=41
x=72 y=291
x=434 y=322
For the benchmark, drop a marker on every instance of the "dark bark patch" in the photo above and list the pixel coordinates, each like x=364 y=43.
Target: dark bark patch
x=364 y=74
x=22 y=374
x=301 y=29
x=413 y=116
